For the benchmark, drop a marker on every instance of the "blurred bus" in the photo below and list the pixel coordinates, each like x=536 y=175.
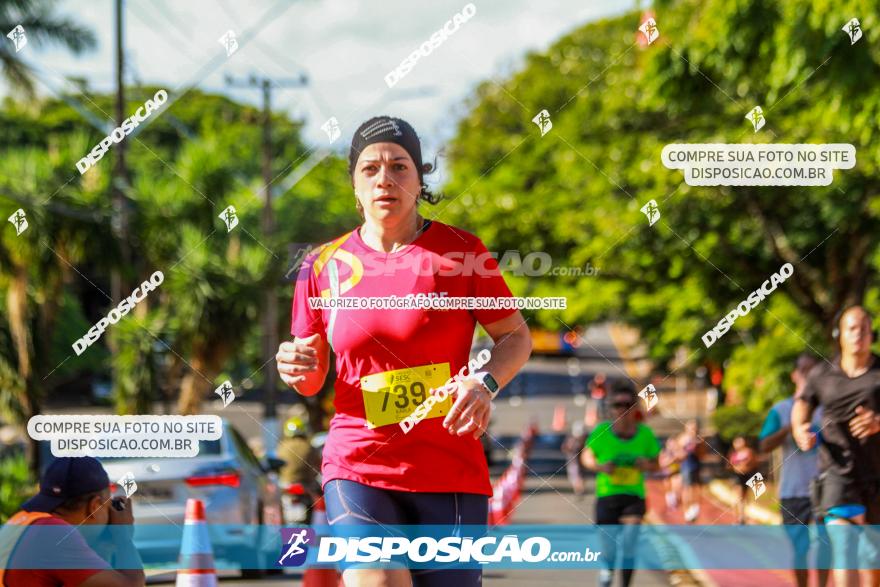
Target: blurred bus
x=556 y=342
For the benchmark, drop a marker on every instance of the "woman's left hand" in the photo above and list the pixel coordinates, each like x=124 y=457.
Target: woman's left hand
x=471 y=410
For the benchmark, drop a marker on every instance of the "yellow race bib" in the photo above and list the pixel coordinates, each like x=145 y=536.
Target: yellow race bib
x=625 y=476
x=391 y=396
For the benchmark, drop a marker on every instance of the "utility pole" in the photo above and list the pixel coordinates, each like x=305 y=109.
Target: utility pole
x=270 y=308
x=119 y=179
x=120 y=172
x=119 y=212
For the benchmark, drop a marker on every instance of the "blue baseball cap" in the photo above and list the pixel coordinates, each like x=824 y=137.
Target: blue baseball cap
x=66 y=478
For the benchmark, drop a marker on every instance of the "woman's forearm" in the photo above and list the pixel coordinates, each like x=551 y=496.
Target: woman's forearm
x=509 y=354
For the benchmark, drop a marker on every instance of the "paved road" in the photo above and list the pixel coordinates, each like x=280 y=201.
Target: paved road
x=713 y=513
x=550 y=501
x=544 y=501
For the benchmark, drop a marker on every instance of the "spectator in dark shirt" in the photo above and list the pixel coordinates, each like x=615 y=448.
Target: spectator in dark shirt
x=848 y=390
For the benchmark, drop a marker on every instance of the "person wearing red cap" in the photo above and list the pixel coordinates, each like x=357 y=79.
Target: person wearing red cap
x=379 y=466
x=74 y=492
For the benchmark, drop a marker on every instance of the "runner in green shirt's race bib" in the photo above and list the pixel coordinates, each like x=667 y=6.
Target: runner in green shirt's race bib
x=608 y=447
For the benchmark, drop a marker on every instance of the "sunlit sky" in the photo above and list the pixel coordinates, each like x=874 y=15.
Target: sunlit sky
x=345 y=47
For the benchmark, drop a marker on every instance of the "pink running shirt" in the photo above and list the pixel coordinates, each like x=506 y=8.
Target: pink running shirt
x=442 y=259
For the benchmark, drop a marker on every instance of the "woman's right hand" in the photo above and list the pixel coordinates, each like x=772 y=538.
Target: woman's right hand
x=296 y=359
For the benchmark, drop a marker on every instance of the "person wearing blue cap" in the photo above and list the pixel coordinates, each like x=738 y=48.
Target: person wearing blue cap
x=73 y=492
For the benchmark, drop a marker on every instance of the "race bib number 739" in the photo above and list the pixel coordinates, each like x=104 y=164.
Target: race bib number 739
x=391 y=396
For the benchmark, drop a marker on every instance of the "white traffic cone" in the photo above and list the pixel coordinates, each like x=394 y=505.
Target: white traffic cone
x=196 y=557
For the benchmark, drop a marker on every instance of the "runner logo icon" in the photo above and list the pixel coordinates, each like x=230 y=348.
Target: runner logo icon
x=229 y=217
x=229 y=42
x=651 y=211
x=225 y=392
x=757 y=485
x=756 y=117
x=650 y=30
x=19 y=38
x=649 y=395
x=542 y=119
x=128 y=484
x=853 y=29
x=19 y=221
x=331 y=127
x=293 y=546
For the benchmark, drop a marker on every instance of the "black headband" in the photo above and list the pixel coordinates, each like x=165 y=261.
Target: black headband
x=385 y=129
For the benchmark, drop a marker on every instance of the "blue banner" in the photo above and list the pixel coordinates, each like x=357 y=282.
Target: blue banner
x=504 y=547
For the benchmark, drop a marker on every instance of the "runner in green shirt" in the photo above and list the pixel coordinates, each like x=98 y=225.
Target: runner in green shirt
x=620 y=452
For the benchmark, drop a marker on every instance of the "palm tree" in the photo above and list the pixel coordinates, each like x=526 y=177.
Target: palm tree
x=41 y=28
x=38 y=265
x=208 y=303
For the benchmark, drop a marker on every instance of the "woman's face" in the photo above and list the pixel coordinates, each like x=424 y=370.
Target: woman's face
x=386 y=181
x=621 y=406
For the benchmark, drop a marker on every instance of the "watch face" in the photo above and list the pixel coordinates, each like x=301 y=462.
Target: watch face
x=490 y=382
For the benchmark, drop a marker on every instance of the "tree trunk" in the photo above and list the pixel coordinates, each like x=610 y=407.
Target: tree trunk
x=17 y=306
x=193 y=388
x=197 y=384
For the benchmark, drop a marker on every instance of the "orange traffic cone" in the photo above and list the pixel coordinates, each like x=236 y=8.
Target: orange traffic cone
x=591 y=416
x=496 y=508
x=315 y=576
x=559 y=418
x=196 y=557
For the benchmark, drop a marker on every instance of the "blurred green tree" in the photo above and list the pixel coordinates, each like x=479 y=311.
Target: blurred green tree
x=37 y=266
x=576 y=193
x=201 y=324
x=18 y=484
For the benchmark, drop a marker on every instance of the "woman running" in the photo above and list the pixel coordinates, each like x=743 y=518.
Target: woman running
x=693 y=450
x=571 y=448
x=380 y=464
x=744 y=462
x=620 y=451
x=670 y=468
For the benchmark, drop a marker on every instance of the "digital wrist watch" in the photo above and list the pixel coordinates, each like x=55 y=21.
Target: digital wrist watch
x=486 y=380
